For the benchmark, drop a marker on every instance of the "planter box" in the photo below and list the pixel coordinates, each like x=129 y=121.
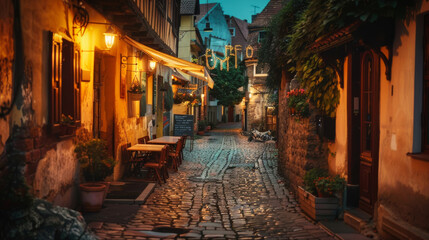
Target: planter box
x=135 y=96
x=317 y=208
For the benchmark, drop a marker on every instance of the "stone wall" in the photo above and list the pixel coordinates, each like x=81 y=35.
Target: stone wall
x=300 y=146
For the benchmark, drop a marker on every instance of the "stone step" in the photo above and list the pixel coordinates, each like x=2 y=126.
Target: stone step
x=356 y=218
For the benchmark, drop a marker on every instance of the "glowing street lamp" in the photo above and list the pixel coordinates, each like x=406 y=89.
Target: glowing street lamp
x=109 y=37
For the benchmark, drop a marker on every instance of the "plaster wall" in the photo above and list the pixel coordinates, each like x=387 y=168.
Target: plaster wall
x=56 y=170
x=54 y=165
x=7 y=55
x=407 y=193
x=403 y=182
x=57 y=175
x=338 y=164
x=186 y=25
x=258 y=100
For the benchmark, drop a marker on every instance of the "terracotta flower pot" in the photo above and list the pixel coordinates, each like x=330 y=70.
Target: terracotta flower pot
x=92 y=196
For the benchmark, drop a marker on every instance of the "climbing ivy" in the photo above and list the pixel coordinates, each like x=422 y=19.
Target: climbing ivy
x=273 y=49
x=320 y=84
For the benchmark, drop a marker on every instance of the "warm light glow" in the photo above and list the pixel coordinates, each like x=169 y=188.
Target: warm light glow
x=202 y=96
x=109 y=38
x=152 y=65
x=250 y=95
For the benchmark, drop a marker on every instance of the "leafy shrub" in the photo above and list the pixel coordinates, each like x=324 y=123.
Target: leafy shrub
x=94 y=159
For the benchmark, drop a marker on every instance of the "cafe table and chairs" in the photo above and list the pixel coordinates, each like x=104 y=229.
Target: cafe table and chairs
x=138 y=150
x=174 y=142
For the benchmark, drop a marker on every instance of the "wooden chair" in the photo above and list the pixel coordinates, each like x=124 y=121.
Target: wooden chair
x=126 y=158
x=143 y=156
x=174 y=155
x=143 y=140
x=159 y=166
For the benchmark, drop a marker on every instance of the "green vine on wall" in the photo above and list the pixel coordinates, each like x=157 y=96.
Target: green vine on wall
x=301 y=22
x=320 y=84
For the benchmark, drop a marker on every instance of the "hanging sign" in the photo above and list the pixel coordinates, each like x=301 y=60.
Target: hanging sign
x=190 y=88
x=230 y=51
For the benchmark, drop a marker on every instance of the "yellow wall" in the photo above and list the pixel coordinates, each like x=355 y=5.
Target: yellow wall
x=403 y=182
x=338 y=165
x=58 y=169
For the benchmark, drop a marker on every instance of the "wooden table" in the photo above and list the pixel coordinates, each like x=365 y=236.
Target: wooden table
x=171 y=140
x=146 y=147
x=138 y=160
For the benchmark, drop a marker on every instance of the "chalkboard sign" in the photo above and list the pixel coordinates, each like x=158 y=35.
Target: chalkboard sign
x=183 y=125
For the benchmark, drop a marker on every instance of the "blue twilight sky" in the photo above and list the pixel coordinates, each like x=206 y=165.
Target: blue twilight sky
x=243 y=9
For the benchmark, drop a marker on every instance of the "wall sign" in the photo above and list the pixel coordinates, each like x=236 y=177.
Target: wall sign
x=230 y=51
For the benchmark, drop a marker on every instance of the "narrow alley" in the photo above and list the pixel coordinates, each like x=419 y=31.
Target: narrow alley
x=227 y=188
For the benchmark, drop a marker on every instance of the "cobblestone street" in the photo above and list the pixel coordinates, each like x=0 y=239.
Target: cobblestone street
x=227 y=188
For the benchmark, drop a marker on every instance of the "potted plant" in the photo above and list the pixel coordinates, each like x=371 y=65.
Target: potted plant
x=67 y=125
x=136 y=91
x=201 y=127
x=96 y=165
x=319 y=208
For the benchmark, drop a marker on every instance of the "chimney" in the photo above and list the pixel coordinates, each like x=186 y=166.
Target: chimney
x=253 y=17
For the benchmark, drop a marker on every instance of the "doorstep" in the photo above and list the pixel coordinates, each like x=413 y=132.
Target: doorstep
x=140 y=199
x=341 y=230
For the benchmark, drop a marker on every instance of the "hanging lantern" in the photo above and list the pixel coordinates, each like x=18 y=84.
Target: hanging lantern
x=109 y=37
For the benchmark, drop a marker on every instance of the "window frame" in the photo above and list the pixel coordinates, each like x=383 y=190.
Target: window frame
x=62 y=102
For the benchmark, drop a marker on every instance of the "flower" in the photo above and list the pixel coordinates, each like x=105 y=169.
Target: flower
x=136 y=87
x=297 y=100
x=66 y=120
x=328 y=186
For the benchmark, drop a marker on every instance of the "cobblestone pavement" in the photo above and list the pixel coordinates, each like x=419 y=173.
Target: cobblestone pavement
x=227 y=188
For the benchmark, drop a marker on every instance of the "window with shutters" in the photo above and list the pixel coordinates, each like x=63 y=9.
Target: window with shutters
x=65 y=77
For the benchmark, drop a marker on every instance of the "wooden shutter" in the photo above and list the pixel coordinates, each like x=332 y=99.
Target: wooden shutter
x=55 y=78
x=77 y=77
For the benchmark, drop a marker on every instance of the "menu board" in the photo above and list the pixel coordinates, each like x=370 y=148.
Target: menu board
x=183 y=125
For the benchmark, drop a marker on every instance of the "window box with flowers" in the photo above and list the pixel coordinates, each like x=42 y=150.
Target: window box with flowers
x=67 y=125
x=135 y=93
x=298 y=102
x=319 y=196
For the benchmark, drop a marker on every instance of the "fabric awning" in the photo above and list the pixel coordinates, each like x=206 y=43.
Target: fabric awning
x=178 y=75
x=189 y=68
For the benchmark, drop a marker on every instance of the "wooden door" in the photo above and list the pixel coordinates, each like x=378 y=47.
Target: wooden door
x=369 y=131
x=231 y=114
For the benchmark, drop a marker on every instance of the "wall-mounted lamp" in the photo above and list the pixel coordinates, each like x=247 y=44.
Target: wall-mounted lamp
x=202 y=97
x=208 y=28
x=152 y=65
x=109 y=37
